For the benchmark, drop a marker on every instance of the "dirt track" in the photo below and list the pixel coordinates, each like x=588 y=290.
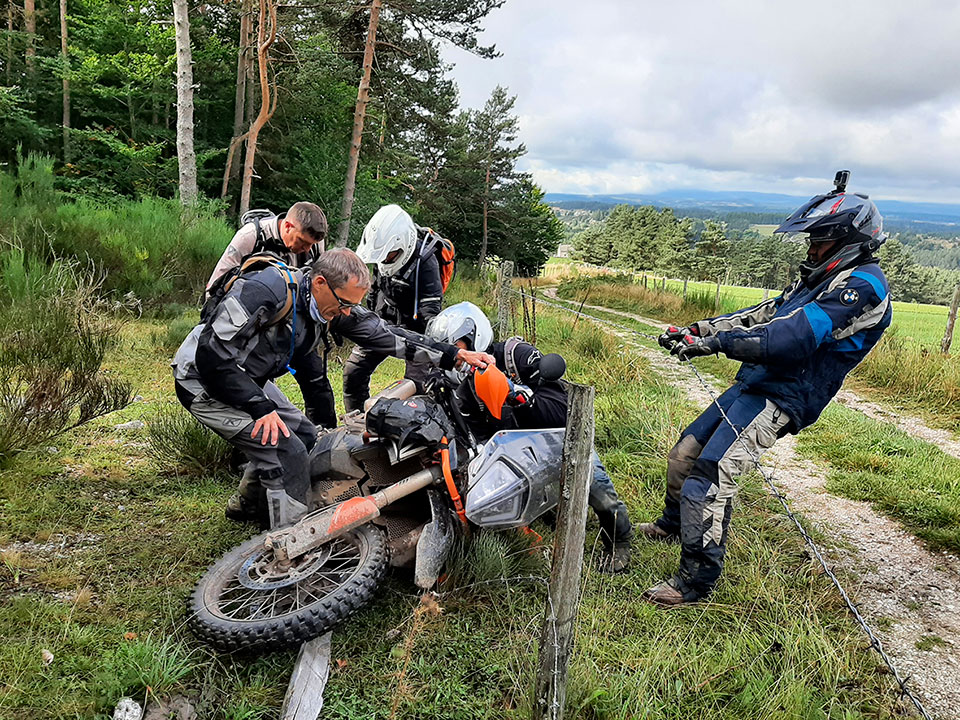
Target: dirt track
x=909 y=594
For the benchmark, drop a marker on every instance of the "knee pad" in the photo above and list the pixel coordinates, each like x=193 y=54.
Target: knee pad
x=680 y=463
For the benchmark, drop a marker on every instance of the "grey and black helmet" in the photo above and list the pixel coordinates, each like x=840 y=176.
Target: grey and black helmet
x=850 y=219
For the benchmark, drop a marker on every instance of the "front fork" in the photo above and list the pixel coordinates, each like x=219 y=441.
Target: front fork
x=326 y=524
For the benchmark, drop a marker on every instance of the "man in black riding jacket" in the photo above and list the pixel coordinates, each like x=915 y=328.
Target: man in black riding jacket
x=407 y=291
x=466 y=326
x=224 y=370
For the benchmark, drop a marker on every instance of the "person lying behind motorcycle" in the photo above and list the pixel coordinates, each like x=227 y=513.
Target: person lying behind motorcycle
x=225 y=368
x=537 y=401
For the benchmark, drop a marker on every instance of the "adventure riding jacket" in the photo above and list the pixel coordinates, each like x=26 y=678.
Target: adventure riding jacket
x=238 y=350
x=798 y=347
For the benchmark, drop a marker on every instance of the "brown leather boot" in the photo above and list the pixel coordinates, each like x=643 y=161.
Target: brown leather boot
x=652 y=531
x=665 y=594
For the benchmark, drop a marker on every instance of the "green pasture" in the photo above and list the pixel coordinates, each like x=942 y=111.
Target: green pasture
x=914 y=322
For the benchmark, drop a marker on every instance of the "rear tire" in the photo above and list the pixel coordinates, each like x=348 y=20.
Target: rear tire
x=234 y=608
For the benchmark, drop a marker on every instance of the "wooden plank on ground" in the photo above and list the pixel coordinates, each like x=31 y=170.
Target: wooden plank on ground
x=304 y=698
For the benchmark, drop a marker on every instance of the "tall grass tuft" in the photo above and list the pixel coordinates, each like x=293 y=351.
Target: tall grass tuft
x=179 y=443
x=621 y=292
x=136 y=665
x=486 y=562
x=904 y=371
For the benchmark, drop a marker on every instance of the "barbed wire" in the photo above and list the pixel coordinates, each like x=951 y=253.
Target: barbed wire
x=784 y=502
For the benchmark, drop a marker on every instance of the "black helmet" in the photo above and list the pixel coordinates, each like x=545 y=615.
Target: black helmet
x=851 y=219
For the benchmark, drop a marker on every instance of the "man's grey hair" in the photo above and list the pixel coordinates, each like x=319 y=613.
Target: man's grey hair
x=339 y=265
x=310 y=218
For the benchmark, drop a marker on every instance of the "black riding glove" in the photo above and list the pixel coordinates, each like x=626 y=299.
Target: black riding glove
x=689 y=347
x=674 y=334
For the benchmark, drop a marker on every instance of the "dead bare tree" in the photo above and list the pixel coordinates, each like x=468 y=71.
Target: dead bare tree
x=363 y=97
x=244 y=61
x=186 y=158
x=268 y=13
x=66 y=80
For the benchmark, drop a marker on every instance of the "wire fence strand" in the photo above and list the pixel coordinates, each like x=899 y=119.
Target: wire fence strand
x=784 y=502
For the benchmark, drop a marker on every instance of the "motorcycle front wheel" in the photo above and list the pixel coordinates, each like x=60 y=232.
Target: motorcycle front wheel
x=245 y=601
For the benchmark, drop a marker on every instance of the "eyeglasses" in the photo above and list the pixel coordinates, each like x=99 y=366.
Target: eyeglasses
x=344 y=305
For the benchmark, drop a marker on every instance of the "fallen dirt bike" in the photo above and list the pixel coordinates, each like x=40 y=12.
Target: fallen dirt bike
x=393 y=487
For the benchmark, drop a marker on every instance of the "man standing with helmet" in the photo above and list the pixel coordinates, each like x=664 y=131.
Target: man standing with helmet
x=796 y=350
x=407 y=291
x=467 y=327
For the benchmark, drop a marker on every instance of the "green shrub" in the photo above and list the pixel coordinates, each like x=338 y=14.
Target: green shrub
x=54 y=335
x=151 y=248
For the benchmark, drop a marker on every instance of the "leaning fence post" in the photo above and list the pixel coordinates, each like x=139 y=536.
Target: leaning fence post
x=304 y=698
x=563 y=593
x=504 y=288
x=685 y=288
x=951 y=321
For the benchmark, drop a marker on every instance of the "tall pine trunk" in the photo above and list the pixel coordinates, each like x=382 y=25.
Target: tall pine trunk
x=363 y=97
x=30 y=28
x=264 y=41
x=231 y=171
x=486 y=204
x=186 y=158
x=10 y=42
x=66 y=80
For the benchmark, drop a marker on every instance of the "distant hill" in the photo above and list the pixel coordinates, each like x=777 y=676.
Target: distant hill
x=916 y=216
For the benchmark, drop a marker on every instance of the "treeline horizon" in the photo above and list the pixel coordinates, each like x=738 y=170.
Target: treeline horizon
x=662 y=240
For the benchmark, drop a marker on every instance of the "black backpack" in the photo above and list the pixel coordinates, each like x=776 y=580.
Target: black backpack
x=256 y=217
x=252 y=263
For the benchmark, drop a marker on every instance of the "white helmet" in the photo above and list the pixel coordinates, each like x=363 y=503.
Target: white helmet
x=463 y=321
x=390 y=229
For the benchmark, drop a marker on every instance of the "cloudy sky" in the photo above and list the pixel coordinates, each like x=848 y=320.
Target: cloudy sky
x=766 y=95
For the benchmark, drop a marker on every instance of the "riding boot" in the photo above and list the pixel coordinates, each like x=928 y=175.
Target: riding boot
x=283 y=509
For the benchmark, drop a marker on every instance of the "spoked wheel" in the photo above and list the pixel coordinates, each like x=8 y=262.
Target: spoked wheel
x=249 y=601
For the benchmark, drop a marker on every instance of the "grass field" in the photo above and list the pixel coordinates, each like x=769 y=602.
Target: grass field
x=101 y=546
x=914 y=322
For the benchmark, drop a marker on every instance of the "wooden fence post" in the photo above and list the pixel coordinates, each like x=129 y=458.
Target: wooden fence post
x=685 y=288
x=716 y=299
x=504 y=289
x=951 y=321
x=766 y=294
x=304 y=698
x=563 y=593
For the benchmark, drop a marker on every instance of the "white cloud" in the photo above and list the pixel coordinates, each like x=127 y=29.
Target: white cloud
x=747 y=94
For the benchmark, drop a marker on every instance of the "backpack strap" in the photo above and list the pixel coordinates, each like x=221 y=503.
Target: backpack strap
x=253 y=263
x=513 y=372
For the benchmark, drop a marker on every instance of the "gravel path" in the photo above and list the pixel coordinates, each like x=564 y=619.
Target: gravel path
x=909 y=594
